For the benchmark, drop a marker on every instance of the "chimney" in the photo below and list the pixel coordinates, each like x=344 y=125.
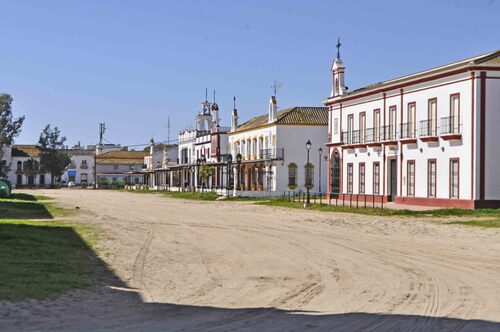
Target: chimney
x=273 y=110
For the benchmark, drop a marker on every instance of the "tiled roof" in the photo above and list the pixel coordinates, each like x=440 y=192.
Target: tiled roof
x=301 y=115
x=488 y=59
x=79 y=152
x=25 y=151
x=121 y=157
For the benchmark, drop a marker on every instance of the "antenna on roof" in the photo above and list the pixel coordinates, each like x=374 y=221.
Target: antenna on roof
x=168 y=130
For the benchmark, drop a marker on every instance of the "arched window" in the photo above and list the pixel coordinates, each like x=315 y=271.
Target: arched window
x=292 y=176
x=19 y=165
x=309 y=175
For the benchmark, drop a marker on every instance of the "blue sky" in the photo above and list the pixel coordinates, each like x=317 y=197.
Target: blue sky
x=132 y=64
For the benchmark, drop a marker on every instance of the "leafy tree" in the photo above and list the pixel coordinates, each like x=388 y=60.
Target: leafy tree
x=205 y=173
x=9 y=128
x=52 y=159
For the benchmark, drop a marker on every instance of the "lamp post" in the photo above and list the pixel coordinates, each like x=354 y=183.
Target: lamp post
x=308 y=179
x=320 y=152
x=238 y=161
x=198 y=162
x=229 y=167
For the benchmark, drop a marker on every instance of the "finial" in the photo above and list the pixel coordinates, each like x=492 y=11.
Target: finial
x=214 y=96
x=234 y=102
x=338 y=48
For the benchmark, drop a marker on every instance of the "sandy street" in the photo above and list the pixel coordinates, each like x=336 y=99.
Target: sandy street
x=227 y=266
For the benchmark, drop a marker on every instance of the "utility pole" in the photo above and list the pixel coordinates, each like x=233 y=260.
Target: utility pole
x=102 y=129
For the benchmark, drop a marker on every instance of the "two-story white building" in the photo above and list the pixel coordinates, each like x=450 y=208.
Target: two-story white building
x=81 y=168
x=24 y=168
x=273 y=151
x=428 y=138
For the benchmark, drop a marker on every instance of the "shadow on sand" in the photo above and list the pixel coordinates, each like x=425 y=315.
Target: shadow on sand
x=111 y=305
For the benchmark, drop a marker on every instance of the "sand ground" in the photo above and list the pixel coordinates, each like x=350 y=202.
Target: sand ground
x=226 y=266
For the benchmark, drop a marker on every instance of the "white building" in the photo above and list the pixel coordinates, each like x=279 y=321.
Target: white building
x=81 y=168
x=428 y=138
x=24 y=169
x=157 y=163
x=273 y=151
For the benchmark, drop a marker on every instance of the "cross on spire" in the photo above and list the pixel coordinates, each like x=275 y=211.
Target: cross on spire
x=338 y=48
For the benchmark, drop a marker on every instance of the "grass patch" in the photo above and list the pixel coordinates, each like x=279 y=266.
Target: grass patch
x=14 y=209
x=384 y=212
x=40 y=259
x=478 y=223
x=199 y=196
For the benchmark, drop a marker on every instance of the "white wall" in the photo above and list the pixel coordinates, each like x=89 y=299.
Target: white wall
x=492 y=149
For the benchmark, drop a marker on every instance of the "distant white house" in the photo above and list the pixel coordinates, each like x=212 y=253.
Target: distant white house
x=23 y=162
x=81 y=169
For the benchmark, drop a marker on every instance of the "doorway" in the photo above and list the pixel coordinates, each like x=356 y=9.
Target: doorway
x=335 y=175
x=392 y=180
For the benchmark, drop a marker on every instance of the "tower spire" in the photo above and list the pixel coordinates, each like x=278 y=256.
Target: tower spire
x=234 y=102
x=214 y=96
x=338 y=48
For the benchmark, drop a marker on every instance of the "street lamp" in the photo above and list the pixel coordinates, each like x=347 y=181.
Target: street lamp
x=308 y=179
x=238 y=161
x=228 y=181
x=198 y=162
x=320 y=152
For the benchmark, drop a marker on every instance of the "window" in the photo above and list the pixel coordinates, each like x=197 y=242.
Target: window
x=292 y=176
x=431 y=178
x=454 y=114
x=454 y=178
x=309 y=169
x=350 y=178
x=115 y=167
x=19 y=166
x=362 y=178
x=376 y=125
x=411 y=178
x=432 y=117
x=336 y=126
x=376 y=178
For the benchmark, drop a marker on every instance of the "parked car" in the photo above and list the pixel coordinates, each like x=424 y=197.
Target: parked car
x=71 y=184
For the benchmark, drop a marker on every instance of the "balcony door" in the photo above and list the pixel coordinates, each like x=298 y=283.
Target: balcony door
x=411 y=120
x=350 y=128
x=391 y=135
x=454 y=113
x=376 y=125
x=335 y=175
x=432 y=117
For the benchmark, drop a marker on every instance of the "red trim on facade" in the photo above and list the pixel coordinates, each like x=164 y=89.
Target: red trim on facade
x=429 y=139
x=482 y=135
x=451 y=137
x=388 y=178
x=361 y=198
x=408 y=141
x=374 y=144
x=449 y=203
x=412 y=82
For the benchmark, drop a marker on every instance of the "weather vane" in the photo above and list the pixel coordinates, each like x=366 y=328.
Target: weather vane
x=276 y=86
x=338 y=48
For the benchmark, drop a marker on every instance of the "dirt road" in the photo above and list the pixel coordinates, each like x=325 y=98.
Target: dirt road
x=220 y=266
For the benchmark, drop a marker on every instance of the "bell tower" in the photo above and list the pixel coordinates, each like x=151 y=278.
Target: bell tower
x=204 y=118
x=338 y=72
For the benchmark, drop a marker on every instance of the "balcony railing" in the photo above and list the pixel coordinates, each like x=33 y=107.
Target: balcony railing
x=408 y=131
x=372 y=135
x=388 y=133
x=450 y=126
x=351 y=137
x=269 y=154
x=428 y=128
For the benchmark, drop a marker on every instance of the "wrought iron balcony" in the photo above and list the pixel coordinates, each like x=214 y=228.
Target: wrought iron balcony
x=408 y=131
x=388 y=133
x=428 y=128
x=272 y=154
x=450 y=126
